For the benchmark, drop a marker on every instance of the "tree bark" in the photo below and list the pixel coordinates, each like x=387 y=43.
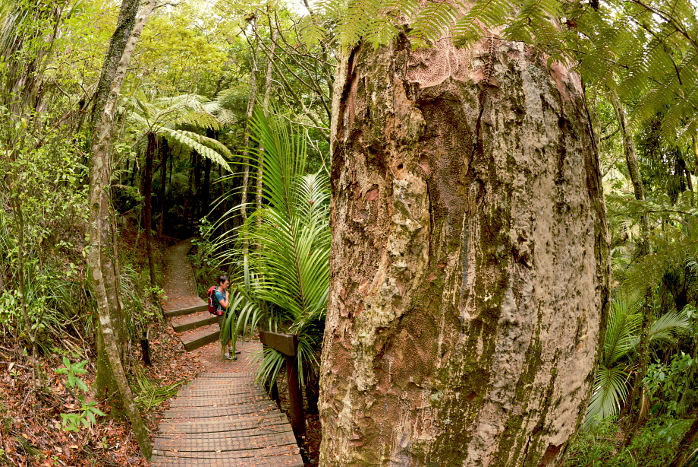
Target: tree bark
x=124 y=29
x=101 y=256
x=469 y=267
x=206 y=188
x=198 y=202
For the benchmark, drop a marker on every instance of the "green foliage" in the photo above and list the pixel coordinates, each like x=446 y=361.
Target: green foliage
x=73 y=370
x=43 y=209
x=671 y=381
x=86 y=415
x=282 y=283
x=165 y=116
x=150 y=395
x=185 y=49
x=139 y=313
x=622 y=337
x=666 y=382
x=672 y=244
x=603 y=445
x=207 y=264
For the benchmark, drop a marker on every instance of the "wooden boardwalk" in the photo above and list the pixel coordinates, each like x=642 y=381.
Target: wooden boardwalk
x=222 y=418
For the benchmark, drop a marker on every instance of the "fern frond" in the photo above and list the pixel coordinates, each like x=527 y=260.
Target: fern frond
x=433 y=22
x=200 y=144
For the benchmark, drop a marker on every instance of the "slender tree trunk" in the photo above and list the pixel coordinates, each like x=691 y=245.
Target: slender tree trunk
x=469 y=267
x=198 y=202
x=695 y=155
x=101 y=256
x=206 y=188
x=165 y=152
x=148 y=209
x=644 y=249
x=188 y=201
x=251 y=101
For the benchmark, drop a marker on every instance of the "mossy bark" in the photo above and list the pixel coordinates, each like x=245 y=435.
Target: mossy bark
x=469 y=266
x=102 y=255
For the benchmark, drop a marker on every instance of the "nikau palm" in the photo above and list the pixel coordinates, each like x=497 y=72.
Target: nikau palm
x=622 y=338
x=284 y=279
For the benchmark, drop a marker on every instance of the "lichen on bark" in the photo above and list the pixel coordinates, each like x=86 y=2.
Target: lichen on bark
x=469 y=262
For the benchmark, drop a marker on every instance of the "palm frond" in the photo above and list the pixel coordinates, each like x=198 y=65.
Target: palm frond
x=667 y=325
x=610 y=393
x=621 y=332
x=283 y=283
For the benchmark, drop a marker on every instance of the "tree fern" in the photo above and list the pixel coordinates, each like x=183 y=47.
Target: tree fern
x=164 y=115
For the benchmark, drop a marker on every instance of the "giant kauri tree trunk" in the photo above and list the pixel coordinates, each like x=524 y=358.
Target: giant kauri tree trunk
x=469 y=266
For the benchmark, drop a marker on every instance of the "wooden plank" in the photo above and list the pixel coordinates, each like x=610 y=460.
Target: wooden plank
x=284 y=343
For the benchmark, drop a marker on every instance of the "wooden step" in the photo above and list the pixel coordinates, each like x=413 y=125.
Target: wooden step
x=199 y=337
x=187 y=310
x=193 y=320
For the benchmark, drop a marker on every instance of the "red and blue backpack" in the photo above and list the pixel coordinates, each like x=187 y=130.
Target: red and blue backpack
x=213 y=307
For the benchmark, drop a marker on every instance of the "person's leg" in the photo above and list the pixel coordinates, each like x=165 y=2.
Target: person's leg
x=229 y=355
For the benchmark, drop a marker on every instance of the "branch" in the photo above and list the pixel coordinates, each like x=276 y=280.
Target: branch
x=669 y=19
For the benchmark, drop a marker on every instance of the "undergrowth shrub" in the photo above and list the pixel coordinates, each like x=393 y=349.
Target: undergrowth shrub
x=602 y=445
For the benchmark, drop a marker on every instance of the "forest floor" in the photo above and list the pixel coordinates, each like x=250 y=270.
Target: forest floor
x=31 y=426
x=30 y=413
x=35 y=400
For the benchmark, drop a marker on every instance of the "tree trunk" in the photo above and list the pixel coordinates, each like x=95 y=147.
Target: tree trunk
x=643 y=250
x=469 y=266
x=251 y=101
x=188 y=200
x=101 y=256
x=197 y=192
x=165 y=152
x=148 y=210
x=206 y=188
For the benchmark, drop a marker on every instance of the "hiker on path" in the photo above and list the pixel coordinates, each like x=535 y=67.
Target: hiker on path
x=223 y=300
